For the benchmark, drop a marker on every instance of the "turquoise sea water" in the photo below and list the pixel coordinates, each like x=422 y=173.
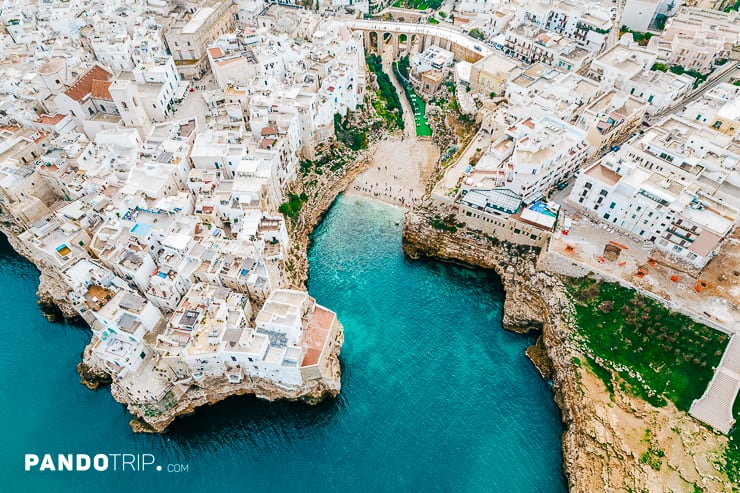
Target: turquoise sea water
x=436 y=396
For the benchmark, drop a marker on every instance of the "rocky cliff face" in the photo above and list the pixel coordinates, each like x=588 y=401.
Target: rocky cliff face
x=52 y=292
x=181 y=401
x=606 y=435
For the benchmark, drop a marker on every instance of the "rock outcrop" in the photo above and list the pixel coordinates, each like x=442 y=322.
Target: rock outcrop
x=52 y=292
x=604 y=442
x=182 y=400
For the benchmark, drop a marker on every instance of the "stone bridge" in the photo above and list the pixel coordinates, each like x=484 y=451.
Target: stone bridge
x=460 y=44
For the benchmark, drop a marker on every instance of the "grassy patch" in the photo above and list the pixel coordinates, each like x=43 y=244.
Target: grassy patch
x=659 y=355
x=418 y=106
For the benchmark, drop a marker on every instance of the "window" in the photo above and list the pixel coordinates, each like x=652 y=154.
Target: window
x=606 y=215
x=604 y=193
x=588 y=186
x=125 y=106
x=612 y=205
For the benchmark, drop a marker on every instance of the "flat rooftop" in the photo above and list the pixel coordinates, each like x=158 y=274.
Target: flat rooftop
x=603 y=174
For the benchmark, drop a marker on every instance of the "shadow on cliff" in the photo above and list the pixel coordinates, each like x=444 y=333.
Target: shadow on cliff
x=245 y=418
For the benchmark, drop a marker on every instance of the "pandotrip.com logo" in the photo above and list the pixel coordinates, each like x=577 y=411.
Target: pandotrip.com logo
x=100 y=463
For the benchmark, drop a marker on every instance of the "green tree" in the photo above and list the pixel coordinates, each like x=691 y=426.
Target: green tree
x=476 y=33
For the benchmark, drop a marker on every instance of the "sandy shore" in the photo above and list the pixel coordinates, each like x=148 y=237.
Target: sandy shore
x=399 y=172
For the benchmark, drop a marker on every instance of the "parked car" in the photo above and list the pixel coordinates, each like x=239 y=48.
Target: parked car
x=567 y=225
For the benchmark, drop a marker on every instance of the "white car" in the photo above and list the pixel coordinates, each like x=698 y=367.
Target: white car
x=613 y=12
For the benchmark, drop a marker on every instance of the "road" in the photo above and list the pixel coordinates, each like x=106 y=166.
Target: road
x=440 y=31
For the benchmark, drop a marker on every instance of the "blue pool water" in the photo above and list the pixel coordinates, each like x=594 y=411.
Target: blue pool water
x=436 y=396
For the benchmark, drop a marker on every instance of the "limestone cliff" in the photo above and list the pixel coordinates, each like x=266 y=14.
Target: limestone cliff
x=52 y=293
x=183 y=400
x=606 y=435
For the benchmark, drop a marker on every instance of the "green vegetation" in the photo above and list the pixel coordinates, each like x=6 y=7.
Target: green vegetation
x=732 y=453
x=441 y=14
x=735 y=7
x=660 y=20
x=292 y=207
x=604 y=374
x=444 y=224
x=679 y=70
x=418 y=4
x=588 y=27
x=403 y=66
x=699 y=77
x=736 y=83
x=388 y=105
x=418 y=106
x=432 y=20
x=653 y=456
x=476 y=33
x=641 y=39
x=352 y=137
x=657 y=354
x=158 y=408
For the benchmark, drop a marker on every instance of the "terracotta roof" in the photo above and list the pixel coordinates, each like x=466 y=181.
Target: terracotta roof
x=50 y=119
x=83 y=86
x=268 y=131
x=99 y=89
x=266 y=143
x=216 y=52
